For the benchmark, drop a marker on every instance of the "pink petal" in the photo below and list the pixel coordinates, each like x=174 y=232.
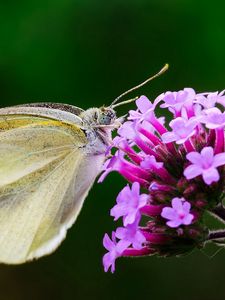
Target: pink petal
x=190 y=93
x=133 y=114
x=188 y=219
x=177 y=203
x=192 y=171
x=210 y=175
x=174 y=223
x=186 y=206
x=159 y=99
x=143 y=200
x=207 y=154
x=123 y=194
x=121 y=246
x=127 y=130
x=143 y=104
x=107 y=262
x=219 y=160
x=130 y=218
x=120 y=233
x=178 y=123
x=194 y=157
x=139 y=240
x=212 y=125
x=169 y=137
x=104 y=175
x=169 y=98
x=116 y=212
x=107 y=243
x=168 y=213
x=135 y=189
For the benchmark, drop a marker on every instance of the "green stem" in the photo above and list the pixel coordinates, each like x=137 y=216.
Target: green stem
x=219 y=212
x=214 y=235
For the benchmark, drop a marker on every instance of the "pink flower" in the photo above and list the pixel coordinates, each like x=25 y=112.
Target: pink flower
x=161 y=164
x=111 y=164
x=214 y=118
x=129 y=202
x=182 y=130
x=178 y=214
x=150 y=163
x=115 y=250
x=128 y=170
x=127 y=130
x=220 y=97
x=131 y=234
x=145 y=109
x=205 y=164
x=209 y=100
x=178 y=100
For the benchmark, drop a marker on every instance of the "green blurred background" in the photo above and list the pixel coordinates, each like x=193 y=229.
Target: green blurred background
x=85 y=53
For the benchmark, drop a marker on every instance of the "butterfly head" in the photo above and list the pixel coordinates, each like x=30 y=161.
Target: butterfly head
x=98 y=124
x=103 y=117
x=106 y=116
x=102 y=121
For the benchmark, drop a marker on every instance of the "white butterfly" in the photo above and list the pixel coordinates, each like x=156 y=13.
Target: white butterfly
x=50 y=155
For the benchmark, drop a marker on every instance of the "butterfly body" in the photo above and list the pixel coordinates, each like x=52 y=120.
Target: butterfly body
x=50 y=155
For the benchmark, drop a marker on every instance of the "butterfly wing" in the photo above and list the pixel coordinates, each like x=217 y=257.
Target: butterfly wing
x=45 y=176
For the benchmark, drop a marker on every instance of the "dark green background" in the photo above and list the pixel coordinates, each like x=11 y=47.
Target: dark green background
x=85 y=53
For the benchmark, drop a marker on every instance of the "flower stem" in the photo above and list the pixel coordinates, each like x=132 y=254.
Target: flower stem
x=214 y=235
x=219 y=212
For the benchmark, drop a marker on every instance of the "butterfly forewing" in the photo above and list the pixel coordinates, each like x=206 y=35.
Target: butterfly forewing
x=44 y=177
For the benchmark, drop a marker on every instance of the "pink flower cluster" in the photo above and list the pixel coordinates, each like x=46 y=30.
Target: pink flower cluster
x=175 y=170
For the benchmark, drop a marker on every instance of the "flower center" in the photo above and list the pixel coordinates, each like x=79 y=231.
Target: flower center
x=181 y=215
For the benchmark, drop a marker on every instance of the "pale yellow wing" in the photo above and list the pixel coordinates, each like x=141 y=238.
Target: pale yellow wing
x=45 y=175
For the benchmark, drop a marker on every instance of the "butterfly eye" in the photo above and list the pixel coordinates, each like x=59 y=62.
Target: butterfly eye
x=104 y=119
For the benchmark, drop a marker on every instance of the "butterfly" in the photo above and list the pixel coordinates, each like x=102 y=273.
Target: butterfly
x=50 y=156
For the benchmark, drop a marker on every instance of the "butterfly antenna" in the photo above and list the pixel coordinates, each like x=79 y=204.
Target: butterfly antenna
x=163 y=70
x=124 y=102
